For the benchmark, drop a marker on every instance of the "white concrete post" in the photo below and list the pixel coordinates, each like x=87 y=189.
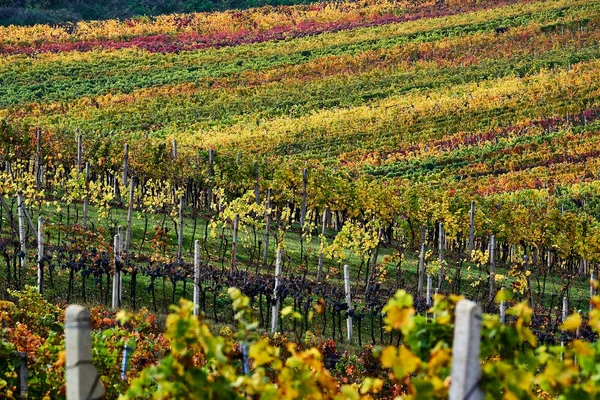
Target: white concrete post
x=82 y=378
x=466 y=370
x=503 y=311
x=565 y=308
x=79 y=150
x=40 y=240
x=429 y=284
x=275 y=309
x=116 y=293
x=348 y=300
x=196 y=277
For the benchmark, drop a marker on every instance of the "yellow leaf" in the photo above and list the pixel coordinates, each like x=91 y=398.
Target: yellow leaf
x=571 y=323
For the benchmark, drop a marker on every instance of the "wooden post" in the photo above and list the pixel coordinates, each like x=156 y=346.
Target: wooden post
x=79 y=150
x=129 y=216
x=40 y=240
x=174 y=149
x=503 y=311
x=211 y=177
x=421 y=269
x=40 y=167
x=323 y=241
x=83 y=381
x=565 y=308
x=304 y=195
x=125 y=164
x=466 y=370
x=23 y=375
x=592 y=291
x=86 y=199
x=22 y=228
x=267 y=228
x=348 y=301
x=276 y=304
x=472 y=228
x=442 y=237
x=196 y=277
x=256 y=185
x=180 y=231
x=236 y=223
x=492 y=265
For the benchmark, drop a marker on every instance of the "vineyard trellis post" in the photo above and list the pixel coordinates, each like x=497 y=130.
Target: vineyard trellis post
x=267 y=228
x=22 y=233
x=321 y=253
x=466 y=370
x=196 y=277
x=348 y=301
x=592 y=291
x=86 y=199
x=79 y=150
x=211 y=177
x=40 y=240
x=304 y=195
x=125 y=163
x=276 y=299
x=492 y=265
x=39 y=167
x=129 y=216
x=441 y=255
x=429 y=284
x=180 y=231
x=236 y=224
x=83 y=381
x=421 y=269
x=256 y=185
x=472 y=227
x=116 y=293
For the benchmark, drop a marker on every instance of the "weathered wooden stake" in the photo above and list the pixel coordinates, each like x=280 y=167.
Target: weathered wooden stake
x=125 y=164
x=472 y=228
x=83 y=381
x=592 y=291
x=421 y=269
x=196 y=277
x=79 y=150
x=40 y=167
x=304 y=195
x=276 y=304
x=180 y=231
x=40 y=240
x=442 y=238
x=492 y=265
x=256 y=185
x=321 y=254
x=267 y=228
x=22 y=228
x=174 y=149
x=348 y=301
x=466 y=370
x=129 y=217
x=236 y=224
x=86 y=199
x=211 y=177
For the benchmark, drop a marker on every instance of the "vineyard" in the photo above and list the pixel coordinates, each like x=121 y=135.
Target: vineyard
x=288 y=170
